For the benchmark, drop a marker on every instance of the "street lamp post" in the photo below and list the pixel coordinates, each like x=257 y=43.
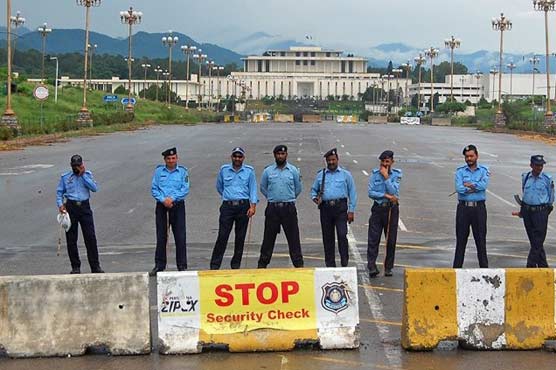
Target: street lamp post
x=169 y=41
x=92 y=49
x=388 y=78
x=478 y=75
x=534 y=61
x=407 y=68
x=462 y=79
x=210 y=66
x=84 y=116
x=157 y=70
x=511 y=66
x=419 y=60
x=17 y=21
x=219 y=87
x=200 y=59
x=432 y=53
x=9 y=118
x=493 y=72
x=501 y=24
x=546 y=6
x=397 y=72
x=43 y=31
x=145 y=67
x=452 y=43
x=130 y=17
x=55 y=81
x=165 y=76
x=187 y=50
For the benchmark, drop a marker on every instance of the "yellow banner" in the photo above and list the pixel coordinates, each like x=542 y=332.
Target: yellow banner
x=257 y=299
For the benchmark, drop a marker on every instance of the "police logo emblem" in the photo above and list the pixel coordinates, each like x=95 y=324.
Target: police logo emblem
x=334 y=297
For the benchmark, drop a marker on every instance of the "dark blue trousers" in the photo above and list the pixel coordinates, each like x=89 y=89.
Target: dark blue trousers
x=476 y=219
x=333 y=218
x=175 y=216
x=230 y=214
x=536 y=223
x=81 y=214
x=382 y=220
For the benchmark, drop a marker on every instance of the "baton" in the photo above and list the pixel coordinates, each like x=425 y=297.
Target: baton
x=246 y=249
x=452 y=194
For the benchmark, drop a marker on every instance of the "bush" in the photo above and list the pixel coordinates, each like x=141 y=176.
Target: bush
x=120 y=90
x=392 y=118
x=451 y=106
x=107 y=119
x=6 y=133
x=463 y=120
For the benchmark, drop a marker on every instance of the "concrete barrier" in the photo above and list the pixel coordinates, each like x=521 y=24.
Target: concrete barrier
x=228 y=118
x=260 y=117
x=285 y=118
x=311 y=118
x=66 y=314
x=347 y=119
x=441 y=121
x=257 y=310
x=377 y=119
x=479 y=308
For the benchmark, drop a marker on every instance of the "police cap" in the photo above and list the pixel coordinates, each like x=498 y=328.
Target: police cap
x=280 y=148
x=386 y=154
x=537 y=159
x=238 y=150
x=332 y=151
x=76 y=160
x=171 y=151
x=468 y=148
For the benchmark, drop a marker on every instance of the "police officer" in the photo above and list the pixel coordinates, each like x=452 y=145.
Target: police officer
x=237 y=185
x=336 y=198
x=170 y=187
x=384 y=189
x=281 y=184
x=471 y=182
x=536 y=205
x=72 y=196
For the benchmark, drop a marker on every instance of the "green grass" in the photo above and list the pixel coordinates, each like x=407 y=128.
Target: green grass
x=61 y=116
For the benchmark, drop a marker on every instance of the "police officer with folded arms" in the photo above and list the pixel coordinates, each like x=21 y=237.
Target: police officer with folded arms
x=384 y=189
x=170 y=187
x=72 y=196
x=237 y=185
x=334 y=192
x=536 y=205
x=471 y=183
x=281 y=185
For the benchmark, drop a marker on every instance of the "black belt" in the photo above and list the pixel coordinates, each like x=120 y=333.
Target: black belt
x=471 y=204
x=77 y=203
x=384 y=204
x=236 y=203
x=334 y=202
x=540 y=207
x=280 y=204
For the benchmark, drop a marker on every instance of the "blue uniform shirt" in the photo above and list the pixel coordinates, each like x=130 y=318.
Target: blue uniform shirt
x=173 y=184
x=479 y=177
x=75 y=187
x=378 y=186
x=236 y=185
x=537 y=190
x=337 y=184
x=281 y=185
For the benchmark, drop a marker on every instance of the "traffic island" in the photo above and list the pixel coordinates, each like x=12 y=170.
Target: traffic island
x=84 y=118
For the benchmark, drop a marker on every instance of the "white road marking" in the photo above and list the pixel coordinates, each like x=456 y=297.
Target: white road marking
x=130 y=211
x=338 y=140
x=394 y=142
x=492 y=155
x=299 y=159
x=405 y=149
x=365 y=173
x=343 y=146
x=355 y=161
x=348 y=153
x=437 y=165
x=373 y=300
x=39 y=166
x=231 y=141
x=401 y=225
x=16 y=173
x=300 y=144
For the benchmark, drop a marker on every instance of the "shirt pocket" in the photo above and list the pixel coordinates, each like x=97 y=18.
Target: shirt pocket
x=339 y=185
x=228 y=180
x=540 y=189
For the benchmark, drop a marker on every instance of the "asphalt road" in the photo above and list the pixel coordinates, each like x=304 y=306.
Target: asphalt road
x=124 y=214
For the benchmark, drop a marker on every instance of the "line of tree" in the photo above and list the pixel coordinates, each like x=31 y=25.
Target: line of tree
x=28 y=63
x=440 y=71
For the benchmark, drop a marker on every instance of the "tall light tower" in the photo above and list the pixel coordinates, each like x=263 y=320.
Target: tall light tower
x=419 y=61
x=92 y=49
x=502 y=24
x=210 y=66
x=407 y=68
x=43 y=31
x=84 y=116
x=493 y=72
x=17 y=21
x=9 y=118
x=145 y=67
x=158 y=71
x=546 y=6
x=452 y=43
x=534 y=61
x=170 y=41
x=511 y=66
x=188 y=51
x=130 y=17
x=432 y=53
x=200 y=59
x=478 y=75
x=397 y=72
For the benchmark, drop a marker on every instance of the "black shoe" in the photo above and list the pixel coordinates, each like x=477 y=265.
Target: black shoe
x=75 y=270
x=182 y=268
x=155 y=270
x=373 y=272
x=98 y=270
x=387 y=272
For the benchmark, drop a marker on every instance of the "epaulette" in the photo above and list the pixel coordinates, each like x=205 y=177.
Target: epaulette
x=461 y=167
x=182 y=167
x=396 y=170
x=66 y=173
x=549 y=177
x=376 y=170
x=249 y=166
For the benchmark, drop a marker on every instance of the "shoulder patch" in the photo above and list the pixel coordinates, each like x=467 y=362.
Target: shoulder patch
x=396 y=170
x=182 y=167
x=461 y=167
x=249 y=166
x=376 y=170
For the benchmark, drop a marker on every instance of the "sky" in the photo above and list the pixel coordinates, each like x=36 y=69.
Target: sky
x=347 y=24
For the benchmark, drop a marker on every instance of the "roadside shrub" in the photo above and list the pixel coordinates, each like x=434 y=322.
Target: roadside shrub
x=392 y=118
x=107 y=119
x=6 y=133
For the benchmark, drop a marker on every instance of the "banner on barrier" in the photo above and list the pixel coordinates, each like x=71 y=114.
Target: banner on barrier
x=227 y=302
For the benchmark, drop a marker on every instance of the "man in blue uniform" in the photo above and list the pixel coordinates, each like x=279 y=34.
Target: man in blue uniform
x=334 y=192
x=72 y=196
x=237 y=185
x=384 y=189
x=536 y=205
x=471 y=182
x=281 y=185
x=170 y=187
